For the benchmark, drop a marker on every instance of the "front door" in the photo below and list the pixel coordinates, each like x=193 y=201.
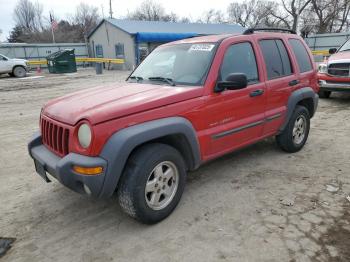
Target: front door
x=5 y=65
x=236 y=117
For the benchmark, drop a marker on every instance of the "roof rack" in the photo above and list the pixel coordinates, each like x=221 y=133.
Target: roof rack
x=252 y=30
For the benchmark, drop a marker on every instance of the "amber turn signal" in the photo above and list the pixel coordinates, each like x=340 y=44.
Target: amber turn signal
x=90 y=171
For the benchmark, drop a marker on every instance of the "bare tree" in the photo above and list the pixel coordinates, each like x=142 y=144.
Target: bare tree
x=28 y=15
x=68 y=32
x=327 y=13
x=251 y=13
x=276 y=19
x=149 y=11
x=32 y=27
x=295 y=8
x=184 y=20
x=314 y=16
x=172 y=17
x=29 y=25
x=307 y=22
x=15 y=35
x=343 y=16
x=212 y=16
x=86 y=18
x=152 y=11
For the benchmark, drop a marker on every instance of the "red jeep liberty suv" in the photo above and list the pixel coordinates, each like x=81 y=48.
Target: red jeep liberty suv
x=188 y=102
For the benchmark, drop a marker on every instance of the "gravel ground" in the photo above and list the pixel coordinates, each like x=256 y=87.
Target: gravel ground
x=259 y=204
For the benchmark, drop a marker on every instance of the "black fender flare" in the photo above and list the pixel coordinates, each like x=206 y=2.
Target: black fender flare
x=295 y=98
x=120 y=145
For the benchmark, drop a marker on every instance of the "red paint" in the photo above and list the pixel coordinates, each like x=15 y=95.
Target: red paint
x=333 y=78
x=113 y=107
x=339 y=56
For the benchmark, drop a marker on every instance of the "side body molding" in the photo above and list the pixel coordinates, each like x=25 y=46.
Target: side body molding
x=119 y=146
x=295 y=98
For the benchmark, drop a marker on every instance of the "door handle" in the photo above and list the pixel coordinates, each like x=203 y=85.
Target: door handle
x=294 y=82
x=257 y=92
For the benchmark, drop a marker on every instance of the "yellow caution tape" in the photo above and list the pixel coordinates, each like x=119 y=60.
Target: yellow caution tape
x=82 y=60
x=320 y=52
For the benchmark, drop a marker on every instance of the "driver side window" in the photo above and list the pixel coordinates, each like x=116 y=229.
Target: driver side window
x=240 y=58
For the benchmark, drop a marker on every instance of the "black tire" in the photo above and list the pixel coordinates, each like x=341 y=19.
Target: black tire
x=19 y=71
x=324 y=94
x=285 y=140
x=139 y=169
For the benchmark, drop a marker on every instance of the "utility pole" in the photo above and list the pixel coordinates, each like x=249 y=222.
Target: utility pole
x=54 y=25
x=103 y=12
x=110 y=9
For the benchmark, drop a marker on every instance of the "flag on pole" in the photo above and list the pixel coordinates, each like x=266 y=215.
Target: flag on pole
x=54 y=25
x=53 y=22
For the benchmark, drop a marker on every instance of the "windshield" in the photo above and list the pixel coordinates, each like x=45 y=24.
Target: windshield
x=345 y=46
x=185 y=64
x=2 y=57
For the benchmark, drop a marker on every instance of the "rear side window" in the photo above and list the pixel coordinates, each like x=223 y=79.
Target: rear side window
x=301 y=54
x=240 y=58
x=276 y=58
x=287 y=68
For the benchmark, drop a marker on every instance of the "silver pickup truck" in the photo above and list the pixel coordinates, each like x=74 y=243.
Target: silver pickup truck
x=13 y=66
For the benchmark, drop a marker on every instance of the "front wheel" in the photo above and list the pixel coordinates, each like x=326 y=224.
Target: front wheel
x=152 y=183
x=295 y=134
x=19 y=71
x=324 y=94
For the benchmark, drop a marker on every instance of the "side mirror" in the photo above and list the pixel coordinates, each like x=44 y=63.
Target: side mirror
x=233 y=81
x=332 y=51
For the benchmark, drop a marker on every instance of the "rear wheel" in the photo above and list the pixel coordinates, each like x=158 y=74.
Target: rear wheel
x=324 y=94
x=19 y=71
x=152 y=183
x=295 y=134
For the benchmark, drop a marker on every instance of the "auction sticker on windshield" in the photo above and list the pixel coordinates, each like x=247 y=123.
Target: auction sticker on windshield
x=202 y=47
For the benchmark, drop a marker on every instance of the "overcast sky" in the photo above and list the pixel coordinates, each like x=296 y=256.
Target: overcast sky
x=61 y=8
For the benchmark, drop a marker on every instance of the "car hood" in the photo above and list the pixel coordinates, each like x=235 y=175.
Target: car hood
x=342 y=57
x=100 y=104
x=19 y=60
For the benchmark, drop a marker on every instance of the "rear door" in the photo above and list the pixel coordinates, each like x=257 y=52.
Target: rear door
x=235 y=117
x=307 y=76
x=281 y=79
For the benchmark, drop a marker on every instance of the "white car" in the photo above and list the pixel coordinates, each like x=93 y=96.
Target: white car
x=13 y=67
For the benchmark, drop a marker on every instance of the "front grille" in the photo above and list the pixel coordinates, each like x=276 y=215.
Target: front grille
x=54 y=136
x=341 y=69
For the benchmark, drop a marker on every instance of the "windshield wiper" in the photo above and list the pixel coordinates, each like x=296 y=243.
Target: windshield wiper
x=137 y=78
x=163 y=79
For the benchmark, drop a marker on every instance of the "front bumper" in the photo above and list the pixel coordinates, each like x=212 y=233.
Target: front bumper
x=330 y=83
x=337 y=87
x=62 y=168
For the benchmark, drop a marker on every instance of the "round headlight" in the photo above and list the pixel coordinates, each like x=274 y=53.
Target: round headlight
x=84 y=135
x=322 y=68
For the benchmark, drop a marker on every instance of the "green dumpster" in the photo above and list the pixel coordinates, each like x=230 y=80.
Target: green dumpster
x=62 y=61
